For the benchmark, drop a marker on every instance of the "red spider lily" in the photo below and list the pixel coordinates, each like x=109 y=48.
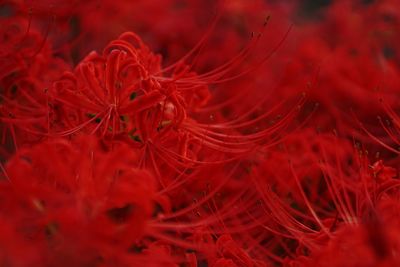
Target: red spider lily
x=128 y=157
x=27 y=69
x=92 y=195
x=87 y=196
x=124 y=93
x=105 y=86
x=331 y=194
x=346 y=75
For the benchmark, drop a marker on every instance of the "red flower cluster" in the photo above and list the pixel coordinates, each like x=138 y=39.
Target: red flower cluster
x=249 y=139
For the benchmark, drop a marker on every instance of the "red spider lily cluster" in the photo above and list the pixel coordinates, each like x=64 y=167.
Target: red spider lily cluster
x=199 y=133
